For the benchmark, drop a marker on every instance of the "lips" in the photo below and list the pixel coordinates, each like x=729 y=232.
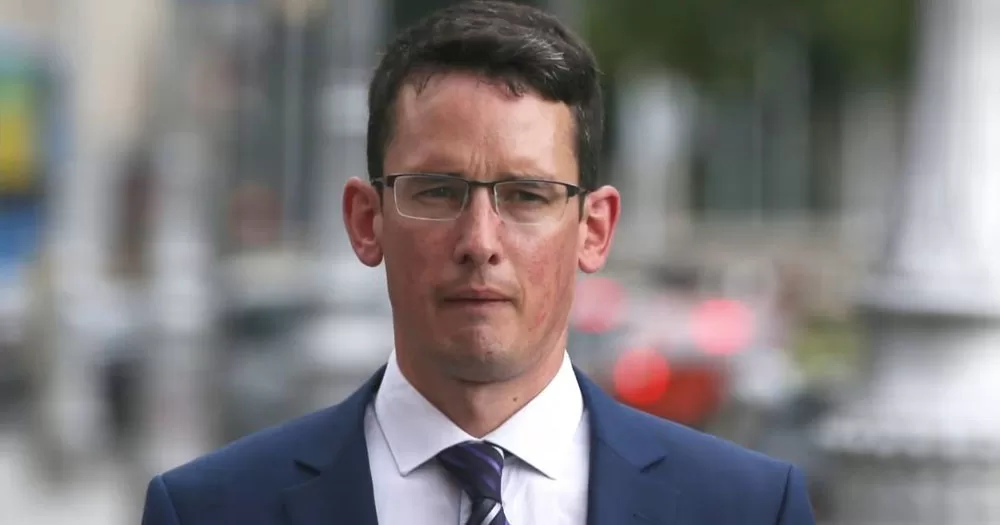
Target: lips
x=477 y=296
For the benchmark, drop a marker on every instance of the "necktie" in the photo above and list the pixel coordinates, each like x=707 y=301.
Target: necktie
x=478 y=467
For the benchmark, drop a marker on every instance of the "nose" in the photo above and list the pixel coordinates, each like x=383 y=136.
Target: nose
x=479 y=236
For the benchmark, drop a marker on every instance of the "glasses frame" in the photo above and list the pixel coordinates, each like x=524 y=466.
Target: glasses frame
x=389 y=181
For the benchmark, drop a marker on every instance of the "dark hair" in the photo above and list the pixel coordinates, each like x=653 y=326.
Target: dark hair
x=524 y=48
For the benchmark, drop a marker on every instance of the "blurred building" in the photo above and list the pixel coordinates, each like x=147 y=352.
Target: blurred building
x=252 y=116
x=919 y=440
x=32 y=123
x=752 y=217
x=756 y=185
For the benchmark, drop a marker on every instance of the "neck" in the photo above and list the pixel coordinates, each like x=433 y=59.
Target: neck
x=480 y=408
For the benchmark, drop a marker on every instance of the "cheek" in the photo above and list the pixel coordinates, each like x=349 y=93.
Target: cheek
x=548 y=273
x=412 y=260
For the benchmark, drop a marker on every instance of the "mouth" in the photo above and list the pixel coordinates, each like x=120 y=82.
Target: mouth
x=477 y=308
x=471 y=299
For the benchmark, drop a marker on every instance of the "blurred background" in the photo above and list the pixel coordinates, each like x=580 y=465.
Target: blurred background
x=809 y=260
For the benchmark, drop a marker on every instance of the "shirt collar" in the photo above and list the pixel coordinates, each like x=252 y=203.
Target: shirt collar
x=537 y=434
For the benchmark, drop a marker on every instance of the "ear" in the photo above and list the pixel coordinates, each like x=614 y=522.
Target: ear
x=597 y=227
x=362 y=208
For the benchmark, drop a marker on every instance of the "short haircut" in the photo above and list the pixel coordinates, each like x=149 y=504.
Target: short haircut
x=522 y=47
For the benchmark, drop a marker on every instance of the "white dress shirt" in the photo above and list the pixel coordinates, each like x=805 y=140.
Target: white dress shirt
x=545 y=477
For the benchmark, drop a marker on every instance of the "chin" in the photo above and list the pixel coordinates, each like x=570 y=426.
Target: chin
x=482 y=373
x=487 y=341
x=482 y=359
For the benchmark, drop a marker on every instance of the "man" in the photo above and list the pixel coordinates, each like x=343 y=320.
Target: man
x=483 y=143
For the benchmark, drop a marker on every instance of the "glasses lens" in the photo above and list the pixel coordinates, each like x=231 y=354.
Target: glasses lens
x=434 y=197
x=531 y=202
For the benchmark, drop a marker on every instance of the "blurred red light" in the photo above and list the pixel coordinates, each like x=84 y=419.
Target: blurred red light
x=641 y=376
x=722 y=326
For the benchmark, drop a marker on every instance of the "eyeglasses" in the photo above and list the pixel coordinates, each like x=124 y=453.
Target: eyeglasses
x=435 y=197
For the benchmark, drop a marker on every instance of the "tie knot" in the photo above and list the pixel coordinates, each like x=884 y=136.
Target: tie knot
x=477 y=466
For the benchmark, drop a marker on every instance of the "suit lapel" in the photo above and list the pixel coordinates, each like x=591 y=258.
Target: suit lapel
x=340 y=493
x=621 y=490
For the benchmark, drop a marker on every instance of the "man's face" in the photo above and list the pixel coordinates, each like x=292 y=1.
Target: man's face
x=481 y=298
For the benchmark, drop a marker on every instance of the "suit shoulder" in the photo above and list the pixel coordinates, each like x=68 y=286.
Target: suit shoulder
x=265 y=454
x=247 y=477
x=707 y=452
x=712 y=470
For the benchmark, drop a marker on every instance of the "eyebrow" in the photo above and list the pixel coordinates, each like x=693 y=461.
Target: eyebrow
x=513 y=175
x=504 y=176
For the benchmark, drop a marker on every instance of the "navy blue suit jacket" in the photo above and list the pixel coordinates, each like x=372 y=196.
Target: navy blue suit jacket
x=643 y=470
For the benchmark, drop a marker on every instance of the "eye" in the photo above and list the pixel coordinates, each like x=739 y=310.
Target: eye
x=527 y=193
x=439 y=192
x=526 y=196
x=430 y=189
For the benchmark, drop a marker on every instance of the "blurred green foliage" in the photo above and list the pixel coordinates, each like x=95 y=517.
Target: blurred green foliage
x=828 y=347
x=717 y=43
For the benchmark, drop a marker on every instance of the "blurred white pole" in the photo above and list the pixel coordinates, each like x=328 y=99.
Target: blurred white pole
x=292 y=168
x=355 y=335
x=921 y=443
x=358 y=31
x=102 y=50
x=869 y=167
x=177 y=424
x=178 y=404
x=69 y=405
x=656 y=118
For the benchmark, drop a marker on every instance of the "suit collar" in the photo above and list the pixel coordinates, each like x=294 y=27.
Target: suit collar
x=338 y=458
x=609 y=421
x=416 y=431
x=622 y=453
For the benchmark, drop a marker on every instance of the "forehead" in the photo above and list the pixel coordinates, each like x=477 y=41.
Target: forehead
x=462 y=123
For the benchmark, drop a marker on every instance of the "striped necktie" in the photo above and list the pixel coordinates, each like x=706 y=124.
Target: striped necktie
x=478 y=467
